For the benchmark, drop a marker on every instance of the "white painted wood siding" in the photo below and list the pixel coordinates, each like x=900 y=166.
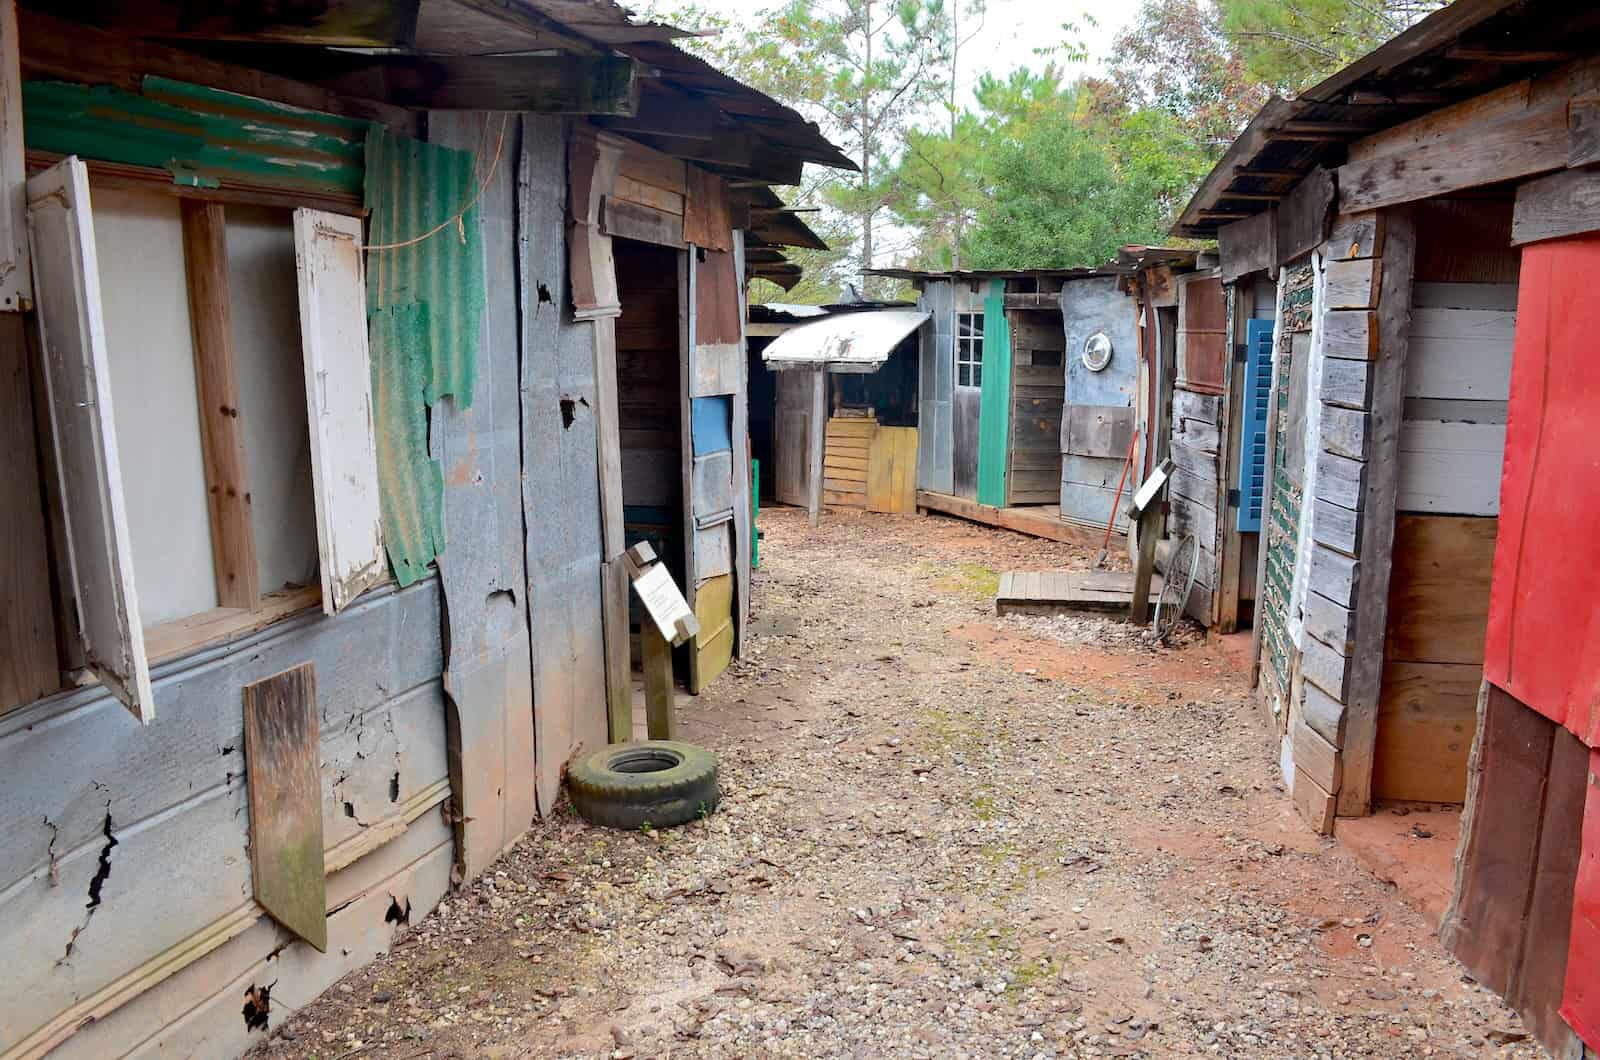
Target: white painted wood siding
x=83 y=431
x=344 y=449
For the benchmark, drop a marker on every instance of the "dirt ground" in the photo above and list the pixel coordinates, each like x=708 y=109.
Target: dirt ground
x=943 y=834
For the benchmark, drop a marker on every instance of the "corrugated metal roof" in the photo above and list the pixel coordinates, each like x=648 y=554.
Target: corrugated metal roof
x=202 y=136
x=845 y=342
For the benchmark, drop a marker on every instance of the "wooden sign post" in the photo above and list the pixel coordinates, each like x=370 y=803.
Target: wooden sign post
x=671 y=622
x=1147 y=512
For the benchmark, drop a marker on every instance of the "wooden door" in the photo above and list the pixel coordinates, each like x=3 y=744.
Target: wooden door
x=968 y=401
x=791 y=438
x=77 y=378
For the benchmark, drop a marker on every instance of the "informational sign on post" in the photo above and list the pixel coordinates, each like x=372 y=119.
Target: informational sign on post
x=662 y=599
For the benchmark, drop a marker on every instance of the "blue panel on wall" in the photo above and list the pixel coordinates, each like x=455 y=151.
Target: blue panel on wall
x=711 y=424
x=1253 y=428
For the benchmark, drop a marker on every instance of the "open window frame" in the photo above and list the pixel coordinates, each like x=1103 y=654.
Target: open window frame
x=103 y=630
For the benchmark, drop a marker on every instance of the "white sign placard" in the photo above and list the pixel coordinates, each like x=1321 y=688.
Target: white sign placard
x=665 y=604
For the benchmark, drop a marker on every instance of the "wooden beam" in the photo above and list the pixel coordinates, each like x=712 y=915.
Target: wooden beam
x=1562 y=204
x=330 y=23
x=629 y=220
x=29 y=669
x=216 y=377
x=1269 y=174
x=1144 y=569
x=70 y=51
x=817 y=441
x=1240 y=301
x=655 y=657
x=1248 y=246
x=1512 y=132
x=666 y=113
x=1508 y=55
x=558 y=83
x=1378 y=494
x=1304 y=216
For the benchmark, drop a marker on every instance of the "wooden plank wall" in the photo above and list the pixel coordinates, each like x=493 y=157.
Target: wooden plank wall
x=844 y=461
x=936 y=387
x=1366 y=302
x=1038 y=391
x=1451 y=447
x=1510 y=917
x=1090 y=463
x=1194 y=497
x=1433 y=656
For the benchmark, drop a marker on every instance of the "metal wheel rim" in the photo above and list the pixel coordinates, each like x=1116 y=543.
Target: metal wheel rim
x=1171 y=603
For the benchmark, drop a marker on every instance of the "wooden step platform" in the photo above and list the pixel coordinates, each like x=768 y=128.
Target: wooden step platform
x=1037 y=520
x=1101 y=592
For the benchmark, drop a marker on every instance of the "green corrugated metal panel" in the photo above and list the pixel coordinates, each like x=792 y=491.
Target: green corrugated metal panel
x=994 y=408
x=410 y=484
x=424 y=306
x=199 y=135
x=411 y=187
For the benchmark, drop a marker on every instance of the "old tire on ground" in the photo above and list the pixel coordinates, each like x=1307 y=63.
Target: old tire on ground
x=659 y=783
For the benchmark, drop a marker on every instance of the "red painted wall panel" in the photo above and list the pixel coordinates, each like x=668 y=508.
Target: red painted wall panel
x=1580 y=1006
x=1544 y=614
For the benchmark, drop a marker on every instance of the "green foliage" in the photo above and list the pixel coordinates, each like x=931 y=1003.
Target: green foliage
x=1176 y=57
x=1066 y=190
x=1292 y=44
x=1038 y=172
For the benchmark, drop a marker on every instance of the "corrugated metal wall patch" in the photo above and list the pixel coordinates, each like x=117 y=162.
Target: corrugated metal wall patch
x=200 y=135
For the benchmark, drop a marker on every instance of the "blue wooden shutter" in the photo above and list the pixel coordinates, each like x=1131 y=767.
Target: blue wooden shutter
x=1253 y=436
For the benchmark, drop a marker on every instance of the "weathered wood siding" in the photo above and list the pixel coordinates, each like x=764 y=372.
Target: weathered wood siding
x=936 y=394
x=1090 y=467
x=1038 y=387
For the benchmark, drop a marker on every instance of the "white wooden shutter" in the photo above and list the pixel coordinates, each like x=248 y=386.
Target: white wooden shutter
x=83 y=433
x=344 y=448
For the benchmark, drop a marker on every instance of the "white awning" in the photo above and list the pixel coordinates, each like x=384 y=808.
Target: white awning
x=844 y=342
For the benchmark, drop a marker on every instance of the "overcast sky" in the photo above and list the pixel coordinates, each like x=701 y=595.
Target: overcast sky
x=1011 y=31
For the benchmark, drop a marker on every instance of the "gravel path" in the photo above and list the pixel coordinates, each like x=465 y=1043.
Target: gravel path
x=942 y=834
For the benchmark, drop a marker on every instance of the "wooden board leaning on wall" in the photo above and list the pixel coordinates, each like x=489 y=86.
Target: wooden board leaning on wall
x=1433 y=650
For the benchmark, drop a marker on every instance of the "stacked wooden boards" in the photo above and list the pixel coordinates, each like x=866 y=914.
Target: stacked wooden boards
x=868 y=466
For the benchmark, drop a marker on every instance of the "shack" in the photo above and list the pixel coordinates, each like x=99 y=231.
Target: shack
x=853 y=370
x=315 y=496
x=1034 y=388
x=1428 y=216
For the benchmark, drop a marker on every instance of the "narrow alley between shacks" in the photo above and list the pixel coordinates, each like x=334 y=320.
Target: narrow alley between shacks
x=943 y=833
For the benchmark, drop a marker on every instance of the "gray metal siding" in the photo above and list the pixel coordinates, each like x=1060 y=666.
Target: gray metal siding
x=1088 y=483
x=561 y=481
x=176 y=795
x=935 y=425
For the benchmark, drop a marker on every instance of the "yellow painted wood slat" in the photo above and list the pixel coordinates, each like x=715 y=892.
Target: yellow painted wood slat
x=891 y=471
x=713 y=645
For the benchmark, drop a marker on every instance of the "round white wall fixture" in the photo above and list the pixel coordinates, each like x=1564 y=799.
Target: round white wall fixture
x=1097 y=352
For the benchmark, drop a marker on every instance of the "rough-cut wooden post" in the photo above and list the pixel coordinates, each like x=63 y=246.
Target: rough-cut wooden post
x=1378 y=511
x=593 y=160
x=656 y=656
x=817 y=441
x=216 y=379
x=1144 y=570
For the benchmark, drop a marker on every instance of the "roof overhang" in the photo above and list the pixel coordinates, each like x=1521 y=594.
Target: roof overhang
x=1457 y=53
x=844 y=342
